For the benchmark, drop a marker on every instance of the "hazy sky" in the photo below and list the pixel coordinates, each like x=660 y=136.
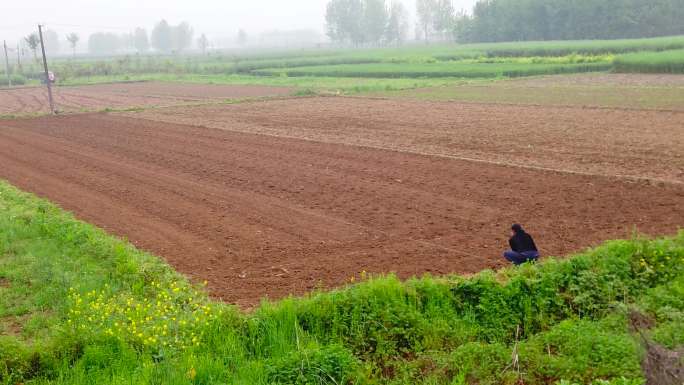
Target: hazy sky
x=216 y=18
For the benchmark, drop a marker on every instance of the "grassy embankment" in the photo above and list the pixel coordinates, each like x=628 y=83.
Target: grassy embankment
x=80 y=307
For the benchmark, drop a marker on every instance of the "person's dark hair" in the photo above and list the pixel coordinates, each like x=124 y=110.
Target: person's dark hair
x=517 y=228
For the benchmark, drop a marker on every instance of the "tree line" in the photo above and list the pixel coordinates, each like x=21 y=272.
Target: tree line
x=376 y=22
x=518 y=20
x=366 y=22
x=164 y=38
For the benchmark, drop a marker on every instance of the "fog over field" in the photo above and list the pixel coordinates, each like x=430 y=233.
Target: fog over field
x=218 y=19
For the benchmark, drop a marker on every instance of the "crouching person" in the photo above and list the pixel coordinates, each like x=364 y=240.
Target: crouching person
x=522 y=245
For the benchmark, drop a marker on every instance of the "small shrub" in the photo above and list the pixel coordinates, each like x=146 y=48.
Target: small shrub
x=318 y=366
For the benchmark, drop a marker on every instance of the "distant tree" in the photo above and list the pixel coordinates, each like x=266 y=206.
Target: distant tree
x=443 y=17
x=425 y=13
x=397 y=26
x=73 y=39
x=140 y=40
x=181 y=36
x=203 y=43
x=461 y=28
x=344 y=21
x=335 y=20
x=103 y=43
x=162 y=38
x=375 y=20
x=242 y=37
x=33 y=41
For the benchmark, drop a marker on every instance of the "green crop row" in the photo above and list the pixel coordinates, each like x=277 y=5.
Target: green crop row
x=80 y=307
x=651 y=62
x=434 y=70
x=563 y=48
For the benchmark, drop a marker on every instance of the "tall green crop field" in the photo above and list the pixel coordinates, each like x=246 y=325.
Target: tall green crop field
x=651 y=62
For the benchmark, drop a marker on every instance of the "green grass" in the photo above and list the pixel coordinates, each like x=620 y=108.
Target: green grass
x=651 y=62
x=435 y=70
x=323 y=84
x=80 y=307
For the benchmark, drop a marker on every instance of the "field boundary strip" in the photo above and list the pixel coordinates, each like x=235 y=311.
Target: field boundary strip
x=470 y=102
x=198 y=103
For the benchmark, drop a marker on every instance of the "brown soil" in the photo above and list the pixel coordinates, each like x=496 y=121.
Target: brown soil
x=258 y=215
x=123 y=95
x=609 y=142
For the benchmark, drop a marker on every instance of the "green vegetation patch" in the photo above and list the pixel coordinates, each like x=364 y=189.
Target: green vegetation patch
x=80 y=307
x=17 y=80
x=568 y=47
x=651 y=62
x=440 y=69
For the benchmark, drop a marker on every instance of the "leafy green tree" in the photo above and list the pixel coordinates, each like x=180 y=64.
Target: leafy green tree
x=442 y=17
x=397 y=25
x=344 y=20
x=375 y=18
x=33 y=41
x=425 y=13
x=513 y=20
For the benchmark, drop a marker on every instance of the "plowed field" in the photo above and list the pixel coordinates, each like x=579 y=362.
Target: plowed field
x=29 y=100
x=263 y=215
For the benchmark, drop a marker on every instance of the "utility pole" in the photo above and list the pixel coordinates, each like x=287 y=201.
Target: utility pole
x=7 y=68
x=45 y=66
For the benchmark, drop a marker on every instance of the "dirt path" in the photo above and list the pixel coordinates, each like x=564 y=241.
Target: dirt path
x=609 y=142
x=258 y=215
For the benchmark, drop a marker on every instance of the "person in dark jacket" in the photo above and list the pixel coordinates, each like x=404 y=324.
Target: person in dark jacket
x=522 y=245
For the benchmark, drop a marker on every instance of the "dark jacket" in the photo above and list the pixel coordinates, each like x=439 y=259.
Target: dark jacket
x=521 y=242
